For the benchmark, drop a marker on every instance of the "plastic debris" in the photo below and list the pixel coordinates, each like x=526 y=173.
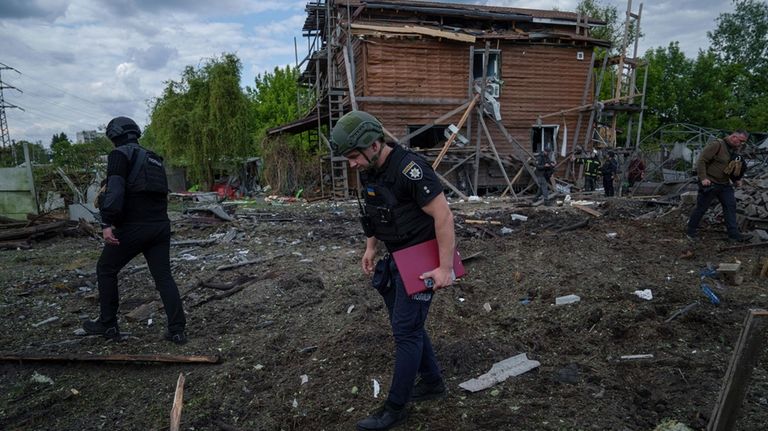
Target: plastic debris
x=376 y=388
x=707 y=291
x=567 y=299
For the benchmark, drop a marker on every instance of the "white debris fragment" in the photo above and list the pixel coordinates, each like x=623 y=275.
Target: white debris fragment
x=501 y=371
x=41 y=378
x=351 y=307
x=644 y=294
x=376 y=388
x=642 y=356
x=48 y=320
x=304 y=379
x=487 y=307
x=518 y=217
x=295 y=403
x=567 y=299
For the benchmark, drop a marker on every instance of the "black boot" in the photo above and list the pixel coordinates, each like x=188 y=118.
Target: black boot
x=384 y=418
x=740 y=238
x=424 y=391
x=177 y=337
x=95 y=327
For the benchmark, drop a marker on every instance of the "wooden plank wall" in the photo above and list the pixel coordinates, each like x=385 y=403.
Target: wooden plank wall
x=538 y=79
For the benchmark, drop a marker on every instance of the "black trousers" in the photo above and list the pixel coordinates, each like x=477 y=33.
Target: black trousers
x=154 y=241
x=407 y=316
x=608 y=184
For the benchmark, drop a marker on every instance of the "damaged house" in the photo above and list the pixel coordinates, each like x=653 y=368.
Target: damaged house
x=476 y=89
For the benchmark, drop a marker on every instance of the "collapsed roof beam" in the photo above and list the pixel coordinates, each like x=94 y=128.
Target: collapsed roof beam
x=453 y=12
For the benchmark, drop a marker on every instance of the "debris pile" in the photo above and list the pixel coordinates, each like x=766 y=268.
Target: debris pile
x=16 y=234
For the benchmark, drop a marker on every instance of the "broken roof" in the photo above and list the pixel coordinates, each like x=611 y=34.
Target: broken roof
x=468 y=10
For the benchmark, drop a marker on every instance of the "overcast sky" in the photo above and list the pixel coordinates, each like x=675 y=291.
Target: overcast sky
x=82 y=62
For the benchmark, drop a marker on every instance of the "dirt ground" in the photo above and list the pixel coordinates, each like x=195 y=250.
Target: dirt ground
x=302 y=342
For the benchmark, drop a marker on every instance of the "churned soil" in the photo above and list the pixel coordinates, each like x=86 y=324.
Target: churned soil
x=305 y=339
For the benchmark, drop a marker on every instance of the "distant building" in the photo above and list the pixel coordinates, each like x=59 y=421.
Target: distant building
x=89 y=136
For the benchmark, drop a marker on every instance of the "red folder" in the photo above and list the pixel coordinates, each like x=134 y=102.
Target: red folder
x=420 y=258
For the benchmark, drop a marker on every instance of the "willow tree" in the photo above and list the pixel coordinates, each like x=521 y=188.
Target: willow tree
x=202 y=121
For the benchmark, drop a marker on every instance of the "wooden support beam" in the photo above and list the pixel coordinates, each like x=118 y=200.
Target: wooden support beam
x=174 y=359
x=442 y=118
x=350 y=78
x=514 y=180
x=745 y=357
x=453 y=135
x=496 y=154
x=451 y=186
x=412 y=29
x=178 y=400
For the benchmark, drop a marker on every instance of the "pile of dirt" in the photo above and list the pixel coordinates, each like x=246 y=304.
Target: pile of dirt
x=302 y=337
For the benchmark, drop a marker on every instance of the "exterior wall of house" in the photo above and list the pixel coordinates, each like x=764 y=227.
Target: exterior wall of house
x=538 y=80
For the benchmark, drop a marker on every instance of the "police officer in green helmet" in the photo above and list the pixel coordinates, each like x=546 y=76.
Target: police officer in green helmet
x=404 y=206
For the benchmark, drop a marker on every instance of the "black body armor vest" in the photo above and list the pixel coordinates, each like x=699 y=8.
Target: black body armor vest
x=147 y=174
x=384 y=216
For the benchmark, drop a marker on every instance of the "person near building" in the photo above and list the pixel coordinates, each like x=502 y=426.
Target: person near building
x=720 y=167
x=134 y=219
x=591 y=172
x=609 y=169
x=635 y=170
x=544 y=170
x=404 y=205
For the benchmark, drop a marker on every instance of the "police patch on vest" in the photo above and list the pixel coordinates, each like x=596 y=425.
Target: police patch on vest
x=413 y=172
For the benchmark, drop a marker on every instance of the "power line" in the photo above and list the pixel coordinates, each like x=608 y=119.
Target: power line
x=5 y=136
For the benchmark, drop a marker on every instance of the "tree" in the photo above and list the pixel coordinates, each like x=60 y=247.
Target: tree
x=668 y=87
x=60 y=148
x=740 y=44
x=741 y=37
x=13 y=155
x=202 y=120
x=275 y=99
x=606 y=13
x=289 y=162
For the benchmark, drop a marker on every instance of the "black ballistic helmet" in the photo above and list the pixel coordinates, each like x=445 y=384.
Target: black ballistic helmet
x=122 y=129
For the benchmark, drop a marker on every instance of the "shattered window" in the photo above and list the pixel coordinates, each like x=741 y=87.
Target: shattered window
x=430 y=138
x=544 y=137
x=494 y=64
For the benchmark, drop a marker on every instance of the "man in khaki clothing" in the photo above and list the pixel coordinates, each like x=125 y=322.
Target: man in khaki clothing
x=720 y=168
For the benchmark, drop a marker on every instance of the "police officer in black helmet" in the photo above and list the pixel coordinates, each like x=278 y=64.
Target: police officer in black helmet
x=134 y=216
x=404 y=206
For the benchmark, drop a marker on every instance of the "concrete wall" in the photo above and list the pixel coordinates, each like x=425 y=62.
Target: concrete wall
x=16 y=199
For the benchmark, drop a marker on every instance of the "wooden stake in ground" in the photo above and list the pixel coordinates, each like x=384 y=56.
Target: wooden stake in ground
x=745 y=356
x=178 y=399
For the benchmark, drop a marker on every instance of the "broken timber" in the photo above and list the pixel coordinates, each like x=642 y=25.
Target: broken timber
x=173 y=359
x=745 y=357
x=26 y=232
x=178 y=400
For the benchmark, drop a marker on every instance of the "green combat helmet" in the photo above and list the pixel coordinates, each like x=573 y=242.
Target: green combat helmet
x=356 y=130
